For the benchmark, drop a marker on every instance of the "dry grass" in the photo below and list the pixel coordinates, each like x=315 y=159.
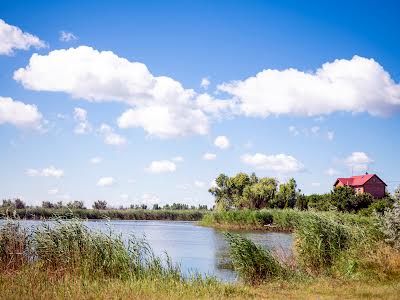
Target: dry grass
x=35 y=284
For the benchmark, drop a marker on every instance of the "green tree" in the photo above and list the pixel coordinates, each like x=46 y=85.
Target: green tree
x=222 y=193
x=343 y=197
x=100 y=204
x=258 y=195
x=287 y=195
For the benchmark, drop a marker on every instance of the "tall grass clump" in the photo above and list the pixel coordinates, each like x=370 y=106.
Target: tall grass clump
x=69 y=247
x=253 y=263
x=320 y=242
x=14 y=246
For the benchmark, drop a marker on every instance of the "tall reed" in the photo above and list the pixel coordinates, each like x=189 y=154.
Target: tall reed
x=253 y=263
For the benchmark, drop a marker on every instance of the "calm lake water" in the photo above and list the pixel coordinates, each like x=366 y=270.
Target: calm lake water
x=195 y=248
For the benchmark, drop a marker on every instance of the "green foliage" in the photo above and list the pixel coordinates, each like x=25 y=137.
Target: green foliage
x=287 y=195
x=120 y=214
x=100 y=204
x=319 y=202
x=70 y=247
x=253 y=263
x=244 y=191
x=14 y=203
x=320 y=241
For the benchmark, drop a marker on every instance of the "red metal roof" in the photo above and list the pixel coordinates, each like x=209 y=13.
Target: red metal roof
x=357 y=180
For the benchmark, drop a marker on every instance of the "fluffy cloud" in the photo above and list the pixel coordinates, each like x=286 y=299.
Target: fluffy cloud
x=209 y=156
x=46 y=172
x=110 y=137
x=358 y=161
x=96 y=160
x=19 y=114
x=83 y=126
x=355 y=85
x=66 y=36
x=11 y=37
x=161 y=105
x=280 y=163
x=166 y=121
x=205 y=82
x=106 y=181
x=161 y=166
x=222 y=142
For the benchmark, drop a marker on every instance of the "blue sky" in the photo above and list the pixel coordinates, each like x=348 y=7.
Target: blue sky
x=124 y=101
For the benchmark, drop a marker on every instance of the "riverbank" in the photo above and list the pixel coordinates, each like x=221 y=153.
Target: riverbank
x=67 y=260
x=96 y=214
x=278 y=220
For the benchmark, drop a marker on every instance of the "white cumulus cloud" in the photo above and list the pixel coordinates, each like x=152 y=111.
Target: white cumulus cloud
x=83 y=126
x=166 y=121
x=162 y=106
x=205 y=82
x=106 y=181
x=110 y=137
x=13 y=38
x=280 y=163
x=222 y=142
x=161 y=166
x=358 y=161
x=356 y=85
x=19 y=114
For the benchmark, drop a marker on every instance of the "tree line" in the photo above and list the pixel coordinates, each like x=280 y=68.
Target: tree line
x=249 y=191
x=98 y=205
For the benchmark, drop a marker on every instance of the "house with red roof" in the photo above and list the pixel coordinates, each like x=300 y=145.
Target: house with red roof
x=367 y=183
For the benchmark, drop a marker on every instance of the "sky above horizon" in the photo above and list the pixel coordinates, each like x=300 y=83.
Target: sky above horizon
x=147 y=102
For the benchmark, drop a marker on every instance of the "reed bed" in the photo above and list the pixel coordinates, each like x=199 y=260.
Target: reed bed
x=38 y=213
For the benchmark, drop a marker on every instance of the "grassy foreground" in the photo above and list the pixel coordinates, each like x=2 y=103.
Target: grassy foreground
x=336 y=257
x=38 y=213
x=36 y=284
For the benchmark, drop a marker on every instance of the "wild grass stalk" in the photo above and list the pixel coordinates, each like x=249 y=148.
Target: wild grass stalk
x=253 y=263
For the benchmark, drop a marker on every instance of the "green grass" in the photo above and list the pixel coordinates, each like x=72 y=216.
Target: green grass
x=278 y=219
x=253 y=263
x=337 y=256
x=115 y=214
